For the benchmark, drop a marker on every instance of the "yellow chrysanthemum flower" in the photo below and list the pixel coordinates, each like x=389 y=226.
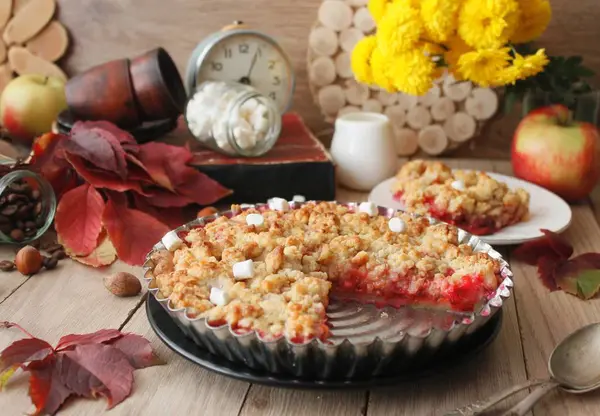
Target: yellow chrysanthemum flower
x=439 y=17
x=399 y=29
x=483 y=66
x=360 y=60
x=533 y=21
x=377 y=8
x=380 y=65
x=412 y=72
x=488 y=24
x=530 y=65
x=456 y=47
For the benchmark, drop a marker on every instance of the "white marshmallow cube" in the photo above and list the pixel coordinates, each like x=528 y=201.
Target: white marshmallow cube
x=172 y=241
x=397 y=225
x=458 y=185
x=255 y=219
x=299 y=198
x=279 y=204
x=218 y=296
x=243 y=270
x=244 y=135
x=368 y=208
x=248 y=107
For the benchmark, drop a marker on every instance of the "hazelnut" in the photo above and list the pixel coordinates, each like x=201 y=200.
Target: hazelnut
x=122 y=284
x=28 y=260
x=206 y=211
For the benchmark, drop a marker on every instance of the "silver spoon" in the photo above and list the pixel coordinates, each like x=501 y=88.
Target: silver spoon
x=574 y=366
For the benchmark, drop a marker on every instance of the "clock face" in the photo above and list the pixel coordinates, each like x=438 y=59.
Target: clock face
x=253 y=60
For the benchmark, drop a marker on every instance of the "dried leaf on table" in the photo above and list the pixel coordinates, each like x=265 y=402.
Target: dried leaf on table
x=86 y=365
x=551 y=245
x=78 y=219
x=103 y=255
x=132 y=232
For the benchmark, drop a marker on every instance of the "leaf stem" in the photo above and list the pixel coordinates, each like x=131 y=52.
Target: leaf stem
x=6 y=324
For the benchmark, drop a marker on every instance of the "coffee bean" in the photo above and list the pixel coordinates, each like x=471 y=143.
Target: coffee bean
x=6 y=265
x=4 y=220
x=38 y=208
x=35 y=194
x=40 y=221
x=2 y=200
x=49 y=262
x=59 y=255
x=53 y=247
x=29 y=224
x=9 y=210
x=20 y=224
x=17 y=234
x=6 y=228
x=24 y=211
x=18 y=188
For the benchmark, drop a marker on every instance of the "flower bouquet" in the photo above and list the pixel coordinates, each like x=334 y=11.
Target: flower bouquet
x=474 y=40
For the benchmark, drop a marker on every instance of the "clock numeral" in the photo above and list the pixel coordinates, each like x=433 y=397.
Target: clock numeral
x=244 y=48
x=271 y=63
x=216 y=66
x=227 y=52
x=276 y=80
x=273 y=95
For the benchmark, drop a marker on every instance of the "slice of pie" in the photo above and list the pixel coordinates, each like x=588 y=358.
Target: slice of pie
x=470 y=200
x=274 y=270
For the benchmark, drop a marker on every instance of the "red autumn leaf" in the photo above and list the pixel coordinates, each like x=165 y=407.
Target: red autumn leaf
x=197 y=186
x=156 y=157
x=107 y=364
x=162 y=198
x=78 y=219
x=132 y=232
x=103 y=255
x=558 y=243
x=550 y=245
x=98 y=146
x=137 y=349
x=101 y=179
x=23 y=351
x=122 y=136
x=173 y=217
x=72 y=340
x=546 y=271
x=46 y=389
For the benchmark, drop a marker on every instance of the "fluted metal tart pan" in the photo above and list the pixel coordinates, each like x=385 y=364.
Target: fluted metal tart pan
x=365 y=340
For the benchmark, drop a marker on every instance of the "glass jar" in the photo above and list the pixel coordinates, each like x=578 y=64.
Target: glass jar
x=233 y=119
x=27 y=206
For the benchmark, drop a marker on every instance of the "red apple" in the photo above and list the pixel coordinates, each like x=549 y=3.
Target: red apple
x=556 y=153
x=29 y=105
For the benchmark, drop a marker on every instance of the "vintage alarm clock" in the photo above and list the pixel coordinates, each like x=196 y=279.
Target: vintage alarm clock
x=237 y=53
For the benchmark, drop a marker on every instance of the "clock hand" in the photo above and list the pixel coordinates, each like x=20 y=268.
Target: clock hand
x=253 y=63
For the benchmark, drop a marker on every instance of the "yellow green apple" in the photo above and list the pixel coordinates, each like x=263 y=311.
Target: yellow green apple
x=29 y=105
x=561 y=155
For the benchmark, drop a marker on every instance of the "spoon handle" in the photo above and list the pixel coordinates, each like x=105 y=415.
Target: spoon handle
x=521 y=408
x=479 y=407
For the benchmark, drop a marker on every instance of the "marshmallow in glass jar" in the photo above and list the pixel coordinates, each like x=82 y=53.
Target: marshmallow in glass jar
x=233 y=118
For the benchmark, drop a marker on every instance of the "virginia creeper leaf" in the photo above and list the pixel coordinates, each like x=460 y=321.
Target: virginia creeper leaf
x=102 y=179
x=72 y=340
x=96 y=145
x=46 y=390
x=588 y=283
x=558 y=243
x=137 y=349
x=109 y=365
x=103 y=255
x=163 y=198
x=77 y=378
x=155 y=157
x=173 y=217
x=122 y=136
x=23 y=351
x=78 y=219
x=195 y=185
x=132 y=232
x=546 y=271
x=550 y=245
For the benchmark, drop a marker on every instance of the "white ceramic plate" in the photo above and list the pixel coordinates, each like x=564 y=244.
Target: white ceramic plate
x=547 y=210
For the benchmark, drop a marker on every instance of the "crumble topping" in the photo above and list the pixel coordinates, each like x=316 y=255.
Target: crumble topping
x=301 y=256
x=469 y=199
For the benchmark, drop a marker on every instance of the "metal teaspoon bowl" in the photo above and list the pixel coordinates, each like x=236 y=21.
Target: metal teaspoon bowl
x=574 y=366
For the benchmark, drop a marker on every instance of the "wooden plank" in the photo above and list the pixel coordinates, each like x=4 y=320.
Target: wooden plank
x=177 y=388
x=9 y=281
x=69 y=299
x=546 y=318
x=497 y=368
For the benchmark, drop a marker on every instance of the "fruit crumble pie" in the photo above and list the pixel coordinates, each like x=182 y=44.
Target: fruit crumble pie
x=273 y=269
x=470 y=200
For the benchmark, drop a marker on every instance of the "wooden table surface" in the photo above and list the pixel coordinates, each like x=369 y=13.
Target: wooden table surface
x=72 y=299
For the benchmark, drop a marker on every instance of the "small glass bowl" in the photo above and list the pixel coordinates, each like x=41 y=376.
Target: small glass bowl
x=27 y=207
